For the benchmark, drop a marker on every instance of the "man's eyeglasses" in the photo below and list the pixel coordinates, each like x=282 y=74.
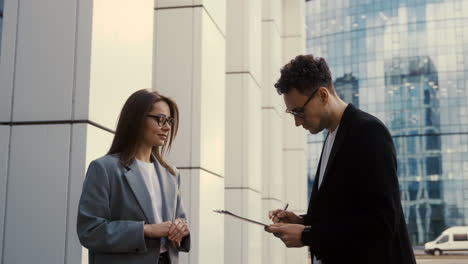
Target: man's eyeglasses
x=162 y=120
x=299 y=112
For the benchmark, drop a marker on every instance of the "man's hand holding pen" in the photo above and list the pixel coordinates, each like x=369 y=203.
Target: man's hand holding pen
x=290 y=234
x=287 y=226
x=287 y=217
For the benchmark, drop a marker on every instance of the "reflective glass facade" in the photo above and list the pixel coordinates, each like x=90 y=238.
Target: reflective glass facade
x=406 y=62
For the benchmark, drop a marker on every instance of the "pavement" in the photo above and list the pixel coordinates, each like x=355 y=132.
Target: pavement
x=451 y=258
x=418 y=250
x=423 y=258
x=442 y=260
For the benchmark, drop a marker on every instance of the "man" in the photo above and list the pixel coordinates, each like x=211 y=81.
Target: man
x=355 y=213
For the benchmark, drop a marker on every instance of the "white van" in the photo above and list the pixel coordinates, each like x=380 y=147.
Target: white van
x=452 y=239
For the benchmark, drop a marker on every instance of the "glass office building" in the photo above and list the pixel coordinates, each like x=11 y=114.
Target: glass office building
x=406 y=62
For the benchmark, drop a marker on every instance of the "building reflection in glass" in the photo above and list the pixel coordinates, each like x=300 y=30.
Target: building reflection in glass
x=405 y=62
x=412 y=115
x=347 y=88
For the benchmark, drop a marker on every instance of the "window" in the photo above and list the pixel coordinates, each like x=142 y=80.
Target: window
x=427 y=97
x=432 y=142
x=433 y=166
x=411 y=145
x=413 y=187
x=460 y=237
x=413 y=167
x=434 y=189
x=443 y=239
x=428 y=117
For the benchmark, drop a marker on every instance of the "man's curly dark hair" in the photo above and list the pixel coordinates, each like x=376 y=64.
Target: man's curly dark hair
x=306 y=74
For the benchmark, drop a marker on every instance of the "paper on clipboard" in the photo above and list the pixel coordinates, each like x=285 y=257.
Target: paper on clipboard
x=239 y=217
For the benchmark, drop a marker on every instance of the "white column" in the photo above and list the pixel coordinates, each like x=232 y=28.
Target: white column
x=272 y=128
x=63 y=89
x=294 y=140
x=66 y=72
x=243 y=241
x=7 y=65
x=36 y=152
x=189 y=66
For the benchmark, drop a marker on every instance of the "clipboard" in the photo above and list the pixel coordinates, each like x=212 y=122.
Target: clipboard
x=226 y=212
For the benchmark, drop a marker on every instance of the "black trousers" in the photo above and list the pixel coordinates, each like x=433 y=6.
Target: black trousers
x=164 y=258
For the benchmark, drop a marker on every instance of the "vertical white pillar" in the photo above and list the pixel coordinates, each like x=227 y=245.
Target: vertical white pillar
x=189 y=66
x=272 y=128
x=64 y=89
x=120 y=63
x=243 y=241
x=7 y=66
x=35 y=184
x=66 y=71
x=294 y=140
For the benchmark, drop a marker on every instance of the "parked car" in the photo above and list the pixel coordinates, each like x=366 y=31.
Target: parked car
x=452 y=239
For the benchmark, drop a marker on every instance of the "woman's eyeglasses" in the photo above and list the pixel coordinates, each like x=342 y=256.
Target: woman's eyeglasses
x=162 y=120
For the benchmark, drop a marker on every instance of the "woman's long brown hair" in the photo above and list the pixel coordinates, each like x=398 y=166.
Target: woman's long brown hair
x=131 y=125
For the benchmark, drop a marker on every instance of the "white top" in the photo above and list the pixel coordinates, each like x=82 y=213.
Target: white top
x=326 y=153
x=148 y=171
x=323 y=164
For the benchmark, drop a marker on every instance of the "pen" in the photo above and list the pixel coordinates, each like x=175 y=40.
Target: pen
x=286 y=207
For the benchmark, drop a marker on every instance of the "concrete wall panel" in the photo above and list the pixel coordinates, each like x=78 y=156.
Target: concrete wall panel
x=36 y=210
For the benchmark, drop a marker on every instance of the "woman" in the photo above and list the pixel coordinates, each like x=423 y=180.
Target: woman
x=130 y=209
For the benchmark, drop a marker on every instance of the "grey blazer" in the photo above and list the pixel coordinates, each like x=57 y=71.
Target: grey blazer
x=114 y=206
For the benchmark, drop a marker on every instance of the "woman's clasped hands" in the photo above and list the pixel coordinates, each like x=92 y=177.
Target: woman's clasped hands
x=174 y=231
